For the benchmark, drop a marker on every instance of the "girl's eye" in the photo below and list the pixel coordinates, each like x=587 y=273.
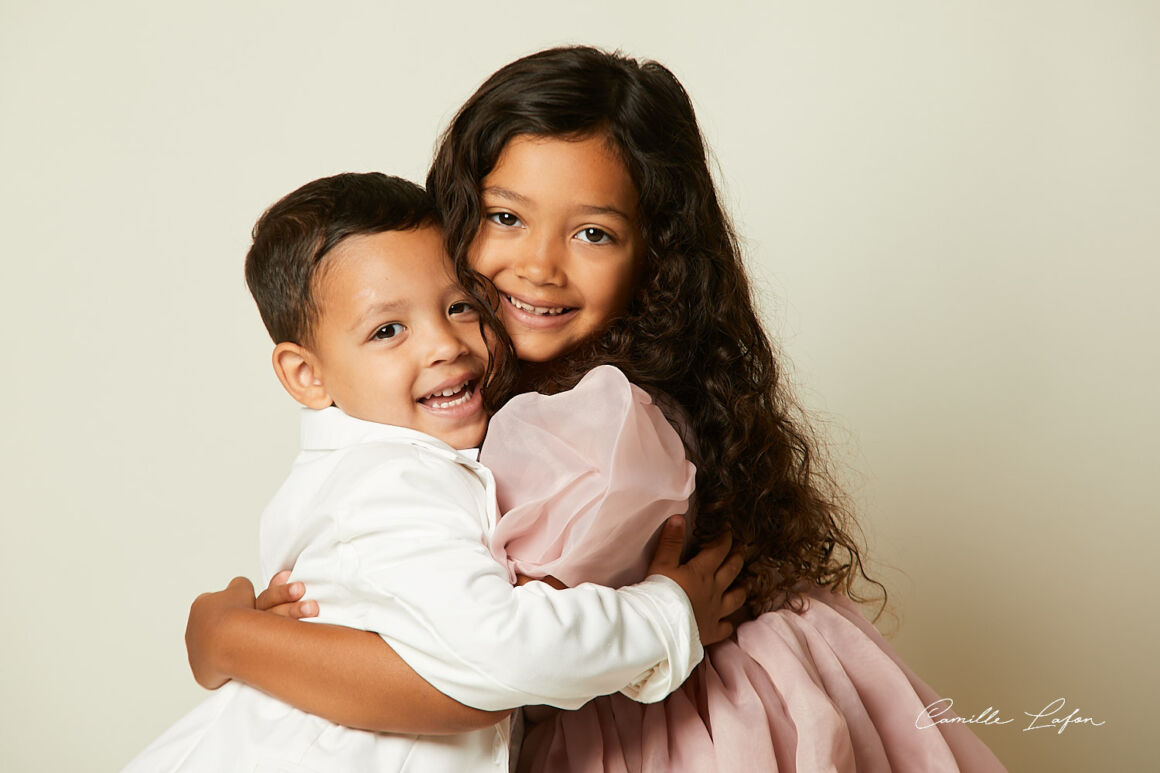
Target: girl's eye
x=504 y=219
x=388 y=331
x=460 y=307
x=594 y=236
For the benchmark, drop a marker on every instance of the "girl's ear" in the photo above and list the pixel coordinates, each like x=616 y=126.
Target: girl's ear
x=298 y=371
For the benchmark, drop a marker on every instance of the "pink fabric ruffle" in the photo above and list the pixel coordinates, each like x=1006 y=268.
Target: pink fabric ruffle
x=585 y=479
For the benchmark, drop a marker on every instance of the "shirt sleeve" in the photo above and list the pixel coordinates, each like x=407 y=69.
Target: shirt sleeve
x=401 y=551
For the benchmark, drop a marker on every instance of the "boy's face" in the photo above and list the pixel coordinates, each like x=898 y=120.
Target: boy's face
x=397 y=340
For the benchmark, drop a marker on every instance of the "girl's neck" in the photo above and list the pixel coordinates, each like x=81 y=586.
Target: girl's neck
x=532 y=374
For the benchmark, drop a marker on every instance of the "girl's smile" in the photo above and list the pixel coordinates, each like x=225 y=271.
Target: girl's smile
x=560 y=241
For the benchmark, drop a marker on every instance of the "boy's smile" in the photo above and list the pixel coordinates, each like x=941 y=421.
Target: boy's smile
x=397 y=340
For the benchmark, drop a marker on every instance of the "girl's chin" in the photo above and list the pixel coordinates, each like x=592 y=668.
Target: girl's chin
x=539 y=352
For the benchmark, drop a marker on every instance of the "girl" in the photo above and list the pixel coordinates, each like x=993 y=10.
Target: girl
x=576 y=181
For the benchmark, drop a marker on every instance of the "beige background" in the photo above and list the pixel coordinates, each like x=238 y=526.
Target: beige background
x=951 y=210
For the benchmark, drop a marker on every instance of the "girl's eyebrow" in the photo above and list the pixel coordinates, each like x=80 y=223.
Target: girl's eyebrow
x=587 y=209
x=504 y=193
x=590 y=209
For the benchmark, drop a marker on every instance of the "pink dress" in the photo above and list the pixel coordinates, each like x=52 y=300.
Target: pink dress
x=585 y=478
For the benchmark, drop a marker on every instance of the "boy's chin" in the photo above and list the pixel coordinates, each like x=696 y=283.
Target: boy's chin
x=463 y=437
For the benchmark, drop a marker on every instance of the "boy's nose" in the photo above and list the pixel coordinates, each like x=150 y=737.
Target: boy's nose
x=444 y=345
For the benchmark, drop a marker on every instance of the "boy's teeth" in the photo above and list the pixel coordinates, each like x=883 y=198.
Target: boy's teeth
x=465 y=388
x=536 y=309
x=449 y=391
x=457 y=401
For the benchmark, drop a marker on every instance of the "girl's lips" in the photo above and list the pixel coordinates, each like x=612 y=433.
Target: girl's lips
x=530 y=319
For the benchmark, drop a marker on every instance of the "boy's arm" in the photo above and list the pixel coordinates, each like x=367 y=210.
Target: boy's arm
x=412 y=565
x=347 y=676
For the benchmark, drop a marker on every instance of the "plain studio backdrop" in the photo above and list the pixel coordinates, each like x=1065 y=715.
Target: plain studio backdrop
x=950 y=211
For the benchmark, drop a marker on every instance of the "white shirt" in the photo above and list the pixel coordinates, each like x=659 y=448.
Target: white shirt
x=388 y=528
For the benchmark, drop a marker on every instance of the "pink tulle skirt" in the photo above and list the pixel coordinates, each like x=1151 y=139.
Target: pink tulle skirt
x=585 y=479
x=810 y=690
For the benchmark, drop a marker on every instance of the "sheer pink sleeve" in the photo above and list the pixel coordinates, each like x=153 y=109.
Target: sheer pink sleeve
x=585 y=479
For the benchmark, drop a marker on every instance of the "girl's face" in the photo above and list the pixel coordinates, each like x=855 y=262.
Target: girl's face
x=560 y=240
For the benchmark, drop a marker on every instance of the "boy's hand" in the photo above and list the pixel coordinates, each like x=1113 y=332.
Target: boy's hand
x=706 y=579
x=282 y=598
x=206 y=615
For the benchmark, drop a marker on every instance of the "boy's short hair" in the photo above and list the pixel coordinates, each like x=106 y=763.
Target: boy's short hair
x=296 y=233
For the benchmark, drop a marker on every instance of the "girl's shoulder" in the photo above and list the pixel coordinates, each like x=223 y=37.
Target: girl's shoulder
x=602 y=406
x=595 y=469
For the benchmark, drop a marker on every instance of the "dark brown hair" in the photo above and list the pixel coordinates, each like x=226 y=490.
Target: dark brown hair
x=691 y=331
x=300 y=229
x=297 y=232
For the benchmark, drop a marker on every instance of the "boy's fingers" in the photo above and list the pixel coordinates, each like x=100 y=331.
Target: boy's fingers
x=723 y=631
x=731 y=567
x=733 y=601
x=711 y=556
x=668 y=552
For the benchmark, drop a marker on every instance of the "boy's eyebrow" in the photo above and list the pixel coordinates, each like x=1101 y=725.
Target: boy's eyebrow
x=376 y=310
x=587 y=209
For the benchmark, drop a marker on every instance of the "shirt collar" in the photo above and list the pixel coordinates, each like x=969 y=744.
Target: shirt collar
x=330 y=429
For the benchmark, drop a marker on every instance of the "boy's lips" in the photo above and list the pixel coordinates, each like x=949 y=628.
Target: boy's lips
x=536 y=313
x=454 y=398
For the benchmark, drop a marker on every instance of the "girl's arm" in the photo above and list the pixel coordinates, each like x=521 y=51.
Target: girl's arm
x=347 y=676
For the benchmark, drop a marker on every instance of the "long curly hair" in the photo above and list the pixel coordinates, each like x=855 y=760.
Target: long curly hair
x=690 y=331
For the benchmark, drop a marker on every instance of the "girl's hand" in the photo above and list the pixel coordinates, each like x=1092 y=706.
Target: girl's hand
x=206 y=616
x=706 y=579
x=282 y=598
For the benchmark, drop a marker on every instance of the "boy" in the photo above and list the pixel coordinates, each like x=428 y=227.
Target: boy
x=386 y=517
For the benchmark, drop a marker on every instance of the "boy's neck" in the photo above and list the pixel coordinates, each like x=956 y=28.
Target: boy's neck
x=401 y=426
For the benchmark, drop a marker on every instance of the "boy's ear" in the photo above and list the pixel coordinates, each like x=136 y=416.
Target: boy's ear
x=298 y=372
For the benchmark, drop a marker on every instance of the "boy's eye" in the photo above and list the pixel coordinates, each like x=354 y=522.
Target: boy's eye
x=460 y=307
x=504 y=218
x=594 y=236
x=388 y=331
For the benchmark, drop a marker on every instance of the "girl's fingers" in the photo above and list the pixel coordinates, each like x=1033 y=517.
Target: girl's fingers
x=277 y=595
x=241 y=585
x=296 y=610
x=281 y=578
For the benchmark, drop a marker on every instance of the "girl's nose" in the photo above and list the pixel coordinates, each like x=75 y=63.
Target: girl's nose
x=540 y=262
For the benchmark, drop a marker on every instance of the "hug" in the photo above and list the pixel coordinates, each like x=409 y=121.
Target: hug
x=549 y=460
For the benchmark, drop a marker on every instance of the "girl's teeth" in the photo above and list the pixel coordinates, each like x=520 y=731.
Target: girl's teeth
x=536 y=309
